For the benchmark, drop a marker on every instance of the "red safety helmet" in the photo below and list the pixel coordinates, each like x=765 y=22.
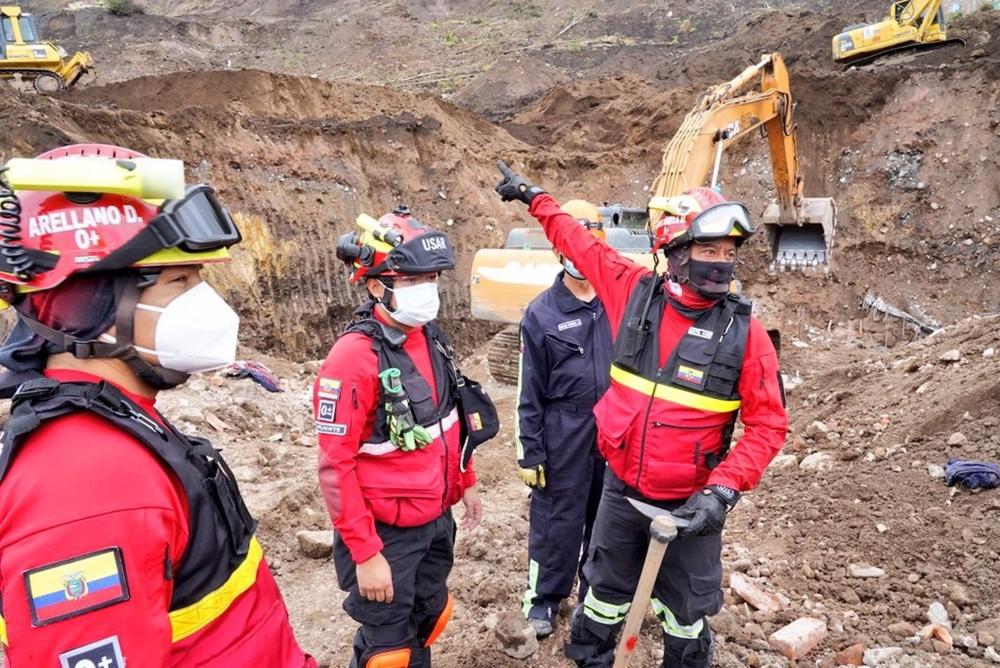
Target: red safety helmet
x=93 y=207
x=700 y=215
x=397 y=243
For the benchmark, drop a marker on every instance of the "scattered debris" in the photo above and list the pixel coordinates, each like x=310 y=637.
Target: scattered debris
x=315 y=544
x=937 y=614
x=878 y=656
x=872 y=303
x=515 y=636
x=850 y=656
x=257 y=372
x=755 y=595
x=950 y=356
x=817 y=461
x=972 y=474
x=797 y=639
x=864 y=571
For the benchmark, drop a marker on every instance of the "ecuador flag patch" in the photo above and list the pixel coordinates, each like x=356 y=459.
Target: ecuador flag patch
x=74 y=586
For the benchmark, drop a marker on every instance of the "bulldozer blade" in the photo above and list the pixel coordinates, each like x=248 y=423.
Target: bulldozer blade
x=804 y=240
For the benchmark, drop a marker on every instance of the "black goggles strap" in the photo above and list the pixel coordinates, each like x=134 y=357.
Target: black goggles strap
x=142 y=245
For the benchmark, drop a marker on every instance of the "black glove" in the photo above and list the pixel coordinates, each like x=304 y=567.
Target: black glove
x=707 y=510
x=513 y=186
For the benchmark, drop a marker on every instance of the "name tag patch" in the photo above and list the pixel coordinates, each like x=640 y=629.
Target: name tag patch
x=75 y=586
x=326 y=411
x=334 y=429
x=569 y=324
x=700 y=333
x=690 y=375
x=105 y=653
x=329 y=388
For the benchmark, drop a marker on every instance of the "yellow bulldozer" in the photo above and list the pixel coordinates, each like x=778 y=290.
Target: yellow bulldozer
x=799 y=229
x=24 y=55
x=912 y=26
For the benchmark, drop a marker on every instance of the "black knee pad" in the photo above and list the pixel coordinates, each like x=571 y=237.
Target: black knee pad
x=688 y=652
x=591 y=645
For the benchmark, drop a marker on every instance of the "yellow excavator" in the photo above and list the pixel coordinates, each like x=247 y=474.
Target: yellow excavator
x=912 y=25
x=23 y=54
x=800 y=229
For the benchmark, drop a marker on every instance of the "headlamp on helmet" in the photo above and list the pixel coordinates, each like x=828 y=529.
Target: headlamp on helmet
x=92 y=207
x=397 y=243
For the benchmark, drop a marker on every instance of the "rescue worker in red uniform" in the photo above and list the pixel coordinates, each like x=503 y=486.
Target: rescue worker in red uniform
x=391 y=461
x=122 y=541
x=688 y=358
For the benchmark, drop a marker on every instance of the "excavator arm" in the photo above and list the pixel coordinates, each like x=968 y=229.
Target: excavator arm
x=800 y=229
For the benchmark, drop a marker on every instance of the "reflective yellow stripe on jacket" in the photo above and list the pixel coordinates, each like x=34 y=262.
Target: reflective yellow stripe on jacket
x=3 y=631
x=198 y=615
x=673 y=394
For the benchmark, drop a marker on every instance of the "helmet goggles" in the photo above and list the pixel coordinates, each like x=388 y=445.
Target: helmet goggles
x=195 y=223
x=730 y=219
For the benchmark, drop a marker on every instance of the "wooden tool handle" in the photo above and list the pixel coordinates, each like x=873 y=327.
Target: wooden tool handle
x=662 y=531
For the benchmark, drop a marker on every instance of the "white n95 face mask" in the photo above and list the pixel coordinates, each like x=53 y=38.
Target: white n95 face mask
x=197 y=331
x=416 y=305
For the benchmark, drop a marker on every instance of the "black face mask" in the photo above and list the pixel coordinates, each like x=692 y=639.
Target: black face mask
x=710 y=279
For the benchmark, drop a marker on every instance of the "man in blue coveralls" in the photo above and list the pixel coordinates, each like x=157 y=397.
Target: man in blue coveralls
x=564 y=366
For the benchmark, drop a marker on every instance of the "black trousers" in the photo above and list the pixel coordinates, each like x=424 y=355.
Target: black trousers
x=687 y=589
x=421 y=559
x=560 y=523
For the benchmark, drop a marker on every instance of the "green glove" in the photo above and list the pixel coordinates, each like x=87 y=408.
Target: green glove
x=404 y=432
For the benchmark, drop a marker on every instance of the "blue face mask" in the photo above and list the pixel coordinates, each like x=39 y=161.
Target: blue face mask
x=572 y=270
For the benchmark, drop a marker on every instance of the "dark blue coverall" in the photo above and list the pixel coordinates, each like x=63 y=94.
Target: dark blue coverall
x=564 y=367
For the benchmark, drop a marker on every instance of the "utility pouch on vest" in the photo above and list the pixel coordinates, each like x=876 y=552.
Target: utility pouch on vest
x=477 y=411
x=637 y=331
x=221 y=485
x=713 y=459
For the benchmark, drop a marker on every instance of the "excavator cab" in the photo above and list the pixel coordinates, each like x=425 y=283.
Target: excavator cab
x=23 y=55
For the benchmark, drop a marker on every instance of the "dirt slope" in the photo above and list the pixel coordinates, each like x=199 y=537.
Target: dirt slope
x=583 y=98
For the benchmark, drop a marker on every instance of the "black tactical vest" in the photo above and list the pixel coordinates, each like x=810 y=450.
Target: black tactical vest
x=709 y=357
x=220 y=526
x=387 y=343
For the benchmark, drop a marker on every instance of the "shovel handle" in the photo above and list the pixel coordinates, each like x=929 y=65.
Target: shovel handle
x=661 y=531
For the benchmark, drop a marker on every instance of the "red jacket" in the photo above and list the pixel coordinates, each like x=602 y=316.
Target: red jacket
x=79 y=486
x=762 y=408
x=363 y=484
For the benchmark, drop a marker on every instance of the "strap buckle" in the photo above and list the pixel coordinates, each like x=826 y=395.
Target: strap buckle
x=35 y=389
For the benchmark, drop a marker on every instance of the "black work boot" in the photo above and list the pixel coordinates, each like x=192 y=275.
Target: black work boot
x=688 y=652
x=543 y=619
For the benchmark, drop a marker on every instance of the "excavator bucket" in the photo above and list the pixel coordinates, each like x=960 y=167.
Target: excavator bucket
x=805 y=240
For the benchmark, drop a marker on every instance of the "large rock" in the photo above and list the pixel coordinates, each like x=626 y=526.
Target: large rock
x=755 y=595
x=936 y=614
x=902 y=630
x=817 y=461
x=953 y=355
x=315 y=544
x=880 y=656
x=989 y=627
x=850 y=656
x=515 y=636
x=799 y=638
x=864 y=571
